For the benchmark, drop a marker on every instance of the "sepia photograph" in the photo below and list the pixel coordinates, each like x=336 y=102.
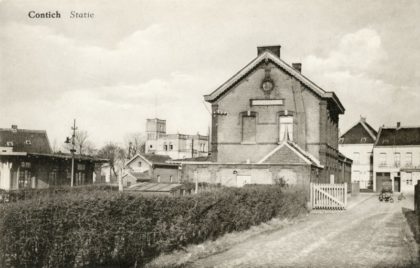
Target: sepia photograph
x=219 y=133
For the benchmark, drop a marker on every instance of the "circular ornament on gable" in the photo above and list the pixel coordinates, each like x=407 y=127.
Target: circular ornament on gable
x=267 y=85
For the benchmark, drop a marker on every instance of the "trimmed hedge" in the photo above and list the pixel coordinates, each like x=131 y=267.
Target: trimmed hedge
x=25 y=194
x=75 y=229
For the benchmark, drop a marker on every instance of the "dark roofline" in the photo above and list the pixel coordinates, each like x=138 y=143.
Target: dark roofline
x=365 y=125
x=394 y=129
x=69 y=156
x=298 y=75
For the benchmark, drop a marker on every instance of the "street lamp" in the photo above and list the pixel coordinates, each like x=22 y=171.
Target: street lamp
x=72 y=150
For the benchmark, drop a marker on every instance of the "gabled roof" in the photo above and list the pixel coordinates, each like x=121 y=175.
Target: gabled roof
x=391 y=136
x=268 y=56
x=152 y=159
x=141 y=176
x=359 y=133
x=25 y=140
x=302 y=154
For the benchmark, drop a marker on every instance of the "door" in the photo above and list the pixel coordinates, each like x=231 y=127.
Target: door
x=241 y=180
x=397 y=184
x=381 y=178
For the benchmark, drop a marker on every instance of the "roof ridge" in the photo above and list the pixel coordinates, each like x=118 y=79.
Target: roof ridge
x=23 y=130
x=367 y=129
x=280 y=63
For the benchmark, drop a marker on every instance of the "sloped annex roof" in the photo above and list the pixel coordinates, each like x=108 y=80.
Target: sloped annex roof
x=302 y=154
x=138 y=175
x=359 y=133
x=391 y=136
x=155 y=187
x=152 y=159
x=25 y=140
x=269 y=56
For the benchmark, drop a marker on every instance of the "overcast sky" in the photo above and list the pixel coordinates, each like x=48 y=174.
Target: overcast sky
x=142 y=59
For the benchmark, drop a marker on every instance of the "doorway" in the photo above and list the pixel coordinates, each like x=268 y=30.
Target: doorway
x=397 y=184
x=381 y=179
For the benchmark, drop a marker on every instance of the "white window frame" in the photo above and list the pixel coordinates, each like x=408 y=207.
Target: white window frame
x=285 y=126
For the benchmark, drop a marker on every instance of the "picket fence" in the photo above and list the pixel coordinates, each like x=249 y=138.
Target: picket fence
x=328 y=196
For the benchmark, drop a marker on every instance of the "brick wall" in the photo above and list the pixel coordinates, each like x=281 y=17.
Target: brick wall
x=227 y=129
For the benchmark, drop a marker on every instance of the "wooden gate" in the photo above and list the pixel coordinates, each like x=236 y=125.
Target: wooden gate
x=328 y=196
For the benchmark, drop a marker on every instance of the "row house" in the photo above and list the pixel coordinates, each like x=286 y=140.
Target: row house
x=176 y=146
x=396 y=155
x=357 y=144
x=271 y=123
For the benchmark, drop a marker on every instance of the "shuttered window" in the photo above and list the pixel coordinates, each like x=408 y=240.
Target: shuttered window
x=249 y=128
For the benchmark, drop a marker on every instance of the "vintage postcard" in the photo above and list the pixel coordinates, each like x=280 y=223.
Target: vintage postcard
x=222 y=133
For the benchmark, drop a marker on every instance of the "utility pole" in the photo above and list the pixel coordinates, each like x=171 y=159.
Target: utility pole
x=72 y=150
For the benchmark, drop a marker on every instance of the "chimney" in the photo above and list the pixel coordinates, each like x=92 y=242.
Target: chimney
x=398 y=125
x=362 y=119
x=297 y=66
x=273 y=49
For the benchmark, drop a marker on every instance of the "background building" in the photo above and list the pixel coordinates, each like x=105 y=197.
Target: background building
x=357 y=144
x=150 y=168
x=396 y=155
x=176 y=146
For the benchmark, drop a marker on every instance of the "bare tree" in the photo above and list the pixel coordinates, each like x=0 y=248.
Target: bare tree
x=55 y=147
x=82 y=144
x=134 y=143
x=115 y=154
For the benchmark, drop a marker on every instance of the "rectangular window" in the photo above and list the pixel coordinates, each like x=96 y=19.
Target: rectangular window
x=382 y=159
x=24 y=179
x=171 y=146
x=81 y=167
x=356 y=158
x=249 y=129
x=408 y=159
x=80 y=178
x=25 y=164
x=286 y=128
x=397 y=159
x=165 y=147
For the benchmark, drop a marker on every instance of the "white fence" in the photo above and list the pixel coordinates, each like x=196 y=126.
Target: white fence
x=328 y=196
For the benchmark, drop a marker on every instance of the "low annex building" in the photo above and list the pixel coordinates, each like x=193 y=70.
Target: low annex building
x=27 y=161
x=396 y=155
x=357 y=144
x=271 y=123
x=150 y=168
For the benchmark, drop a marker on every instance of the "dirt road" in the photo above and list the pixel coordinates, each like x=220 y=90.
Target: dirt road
x=371 y=234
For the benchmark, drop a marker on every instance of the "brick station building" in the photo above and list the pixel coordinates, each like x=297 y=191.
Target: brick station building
x=270 y=122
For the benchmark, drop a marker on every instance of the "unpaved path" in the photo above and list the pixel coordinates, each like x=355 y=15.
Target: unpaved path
x=371 y=234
